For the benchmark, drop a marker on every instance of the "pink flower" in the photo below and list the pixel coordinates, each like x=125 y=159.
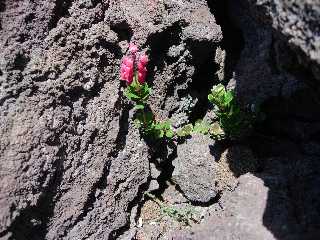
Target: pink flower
x=133 y=49
x=142 y=70
x=142 y=77
x=144 y=59
x=134 y=64
x=127 y=69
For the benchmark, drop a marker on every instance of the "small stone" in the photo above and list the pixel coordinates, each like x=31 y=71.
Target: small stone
x=154 y=185
x=154 y=172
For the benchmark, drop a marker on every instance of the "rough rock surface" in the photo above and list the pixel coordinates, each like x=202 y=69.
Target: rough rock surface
x=71 y=165
x=296 y=22
x=203 y=168
x=276 y=61
x=194 y=169
x=230 y=164
x=288 y=59
x=269 y=205
x=242 y=218
x=272 y=67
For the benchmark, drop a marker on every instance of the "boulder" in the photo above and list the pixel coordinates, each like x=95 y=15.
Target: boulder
x=72 y=165
x=194 y=169
x=204 y=168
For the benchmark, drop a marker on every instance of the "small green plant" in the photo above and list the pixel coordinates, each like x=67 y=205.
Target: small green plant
x=146 y=123
x=185 y=130
x=133 y=71
x=232 y=119
x=180 y=215
x=201 y=127
x=138 y=93
x=183 y=216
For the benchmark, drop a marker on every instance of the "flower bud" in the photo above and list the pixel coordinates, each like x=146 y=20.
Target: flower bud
x=126 y=70
x=144 y=59
x=142 y=77
x=142 y=70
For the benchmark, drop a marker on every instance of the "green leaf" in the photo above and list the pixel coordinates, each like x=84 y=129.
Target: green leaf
x=211 y=98
x=228 y=97
x=185 y=130
x=161 y=134
x=201 y=126
x=149 y=116
x=180 y=133
x=188 y=128
x=139 y=107
x=198 y=122
x=166 y=125
x=216 y=130
x=131 y=95
x=137 y=123
x=232 y=119
x=170 y=133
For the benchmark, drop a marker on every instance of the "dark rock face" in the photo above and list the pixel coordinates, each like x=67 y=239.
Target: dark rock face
x=280 y=63
x=276 y=60
x=273 y=66
x=297 y=22
x=71 y=165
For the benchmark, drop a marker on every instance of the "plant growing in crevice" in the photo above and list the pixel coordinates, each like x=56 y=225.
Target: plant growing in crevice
x=133 y=71
x=201 y=127
x=185 y=215
x=234 y=121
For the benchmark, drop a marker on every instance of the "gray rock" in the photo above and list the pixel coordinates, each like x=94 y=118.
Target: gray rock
x=194 y=169
x=220 y=59
x=203 y=168
x=71 y=164
x=255 y=79
x=278 y=203
x=281 y=47
x=233 y=162
x=296 y=21
x=243 y=217
x=154 y=185
x=154 y=172
x=311 y=148
x=279 y=63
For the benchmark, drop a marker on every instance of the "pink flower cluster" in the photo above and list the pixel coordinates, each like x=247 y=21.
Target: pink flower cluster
x=128 y=71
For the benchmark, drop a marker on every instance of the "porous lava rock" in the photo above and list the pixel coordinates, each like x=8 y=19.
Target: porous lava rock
x=194 y=169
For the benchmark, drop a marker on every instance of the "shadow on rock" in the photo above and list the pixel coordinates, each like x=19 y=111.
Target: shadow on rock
x=288 y=148
x=292 y=207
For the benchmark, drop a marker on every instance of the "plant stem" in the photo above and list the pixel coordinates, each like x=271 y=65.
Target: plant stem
x=137 y=84
x=144 y=118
